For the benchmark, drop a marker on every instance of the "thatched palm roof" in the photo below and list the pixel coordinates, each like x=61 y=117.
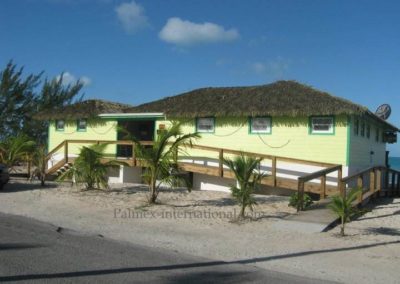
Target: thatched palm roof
x=83 y=109
x=282 y=98
x=287 y=98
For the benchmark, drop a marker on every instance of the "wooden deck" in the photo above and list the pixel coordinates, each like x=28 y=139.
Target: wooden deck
x=379 y=177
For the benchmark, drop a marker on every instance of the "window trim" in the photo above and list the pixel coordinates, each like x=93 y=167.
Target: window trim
x=77 y=125
x=363 y=128
x=356 y=126
x=205 y=132
x=310 y=124
x=56 y=125
x=250 y=120
x=368 y=131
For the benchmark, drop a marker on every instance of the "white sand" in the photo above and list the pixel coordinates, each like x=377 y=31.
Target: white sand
x=369 y=254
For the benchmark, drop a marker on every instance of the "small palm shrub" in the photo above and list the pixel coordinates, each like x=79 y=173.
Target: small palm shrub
x=89 y=169
x=160 y=160
x=294 y=200
x=15 y=149
x=248 y=179
x=343 y=207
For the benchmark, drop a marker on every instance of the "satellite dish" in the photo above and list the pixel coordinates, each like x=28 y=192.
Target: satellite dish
x=383 y=111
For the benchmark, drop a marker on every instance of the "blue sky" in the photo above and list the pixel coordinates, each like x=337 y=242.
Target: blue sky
x=138 y=51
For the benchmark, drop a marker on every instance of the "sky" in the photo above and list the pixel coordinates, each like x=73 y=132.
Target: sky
x=138 y=51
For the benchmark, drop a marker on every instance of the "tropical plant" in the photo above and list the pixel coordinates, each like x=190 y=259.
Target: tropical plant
x=89 y=169
x=343 y=207
x=160 y=160
x=294 y=200
x=39 y=161
x=248 y=177
x=15 y=149
x=22 y=96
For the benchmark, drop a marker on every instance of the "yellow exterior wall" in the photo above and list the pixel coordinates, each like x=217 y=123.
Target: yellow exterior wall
x=290 y=137
x=104 y=130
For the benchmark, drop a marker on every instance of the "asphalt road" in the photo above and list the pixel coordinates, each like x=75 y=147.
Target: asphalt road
x=35 y=252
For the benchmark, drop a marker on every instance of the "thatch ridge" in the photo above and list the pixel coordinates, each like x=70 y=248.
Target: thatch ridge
x=282 y=98
x=85 y=109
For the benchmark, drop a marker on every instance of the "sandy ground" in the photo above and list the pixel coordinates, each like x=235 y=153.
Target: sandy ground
x=200 y=223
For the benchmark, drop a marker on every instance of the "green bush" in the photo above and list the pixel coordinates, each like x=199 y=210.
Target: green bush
x=294 y=200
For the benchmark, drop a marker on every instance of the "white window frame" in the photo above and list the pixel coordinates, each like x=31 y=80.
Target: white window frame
x=267 y=130
x=63 y=122
x=331 y=130
x=199 y=121
x=78 y=122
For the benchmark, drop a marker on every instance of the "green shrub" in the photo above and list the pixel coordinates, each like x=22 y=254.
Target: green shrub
x=294 y=200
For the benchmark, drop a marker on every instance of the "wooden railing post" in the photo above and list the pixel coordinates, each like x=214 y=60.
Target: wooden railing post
x=221 y=163
x=392 y=186
x=378 y=181
x=323 y=187
x=398 y=184
x=300 y=195
x=273 y=171
x=360 y=185
x=66 y=151
x=341 y=186
x=134 y=163
x=372 y=181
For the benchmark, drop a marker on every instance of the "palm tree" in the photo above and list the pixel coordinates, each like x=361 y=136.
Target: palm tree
x=160 y=160
x=90 y=169
x=39 y=161
x=15 y=149
x=343 y=207
x=248 y=179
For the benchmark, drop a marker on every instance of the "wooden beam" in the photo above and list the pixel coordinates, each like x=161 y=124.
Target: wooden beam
x=392 y=186
x=378 y=181
x=300 y=196
x=273 y=171
x=360 y=185
x=323 y=187
x=372 y=180
x=341 y=184
x=66 y=152
x=221 y=163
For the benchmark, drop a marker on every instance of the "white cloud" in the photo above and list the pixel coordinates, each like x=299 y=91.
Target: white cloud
x=258 y=67
x=68 y=78
x=275 y=68
x=132 y=16
x=182 y=32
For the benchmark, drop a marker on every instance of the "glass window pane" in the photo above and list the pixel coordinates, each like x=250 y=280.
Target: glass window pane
x=205 y=124
x=260 y=125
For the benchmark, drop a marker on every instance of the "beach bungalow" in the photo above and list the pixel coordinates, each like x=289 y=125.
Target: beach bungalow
x=296 y=128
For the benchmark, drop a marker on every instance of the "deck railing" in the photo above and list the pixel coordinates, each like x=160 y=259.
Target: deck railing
x=305 y=183
x=322 y=174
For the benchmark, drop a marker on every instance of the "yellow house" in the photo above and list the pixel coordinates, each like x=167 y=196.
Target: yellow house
x=284 y=119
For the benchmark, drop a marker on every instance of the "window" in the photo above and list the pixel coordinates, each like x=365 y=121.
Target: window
x=81 y=125
x=377 y=135
x=322 y=125
x=60 y=125
x=356 y=126
x=363 y=129
x=205 y=125
x=368 y=131
x=260 y=125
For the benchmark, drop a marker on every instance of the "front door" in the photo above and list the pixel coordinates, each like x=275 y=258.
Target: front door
x=142 y=130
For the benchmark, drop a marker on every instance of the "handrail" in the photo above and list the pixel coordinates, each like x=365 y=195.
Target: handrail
x=58 y=147
x=264 y=156
x=362 y=172
x=319 y=173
